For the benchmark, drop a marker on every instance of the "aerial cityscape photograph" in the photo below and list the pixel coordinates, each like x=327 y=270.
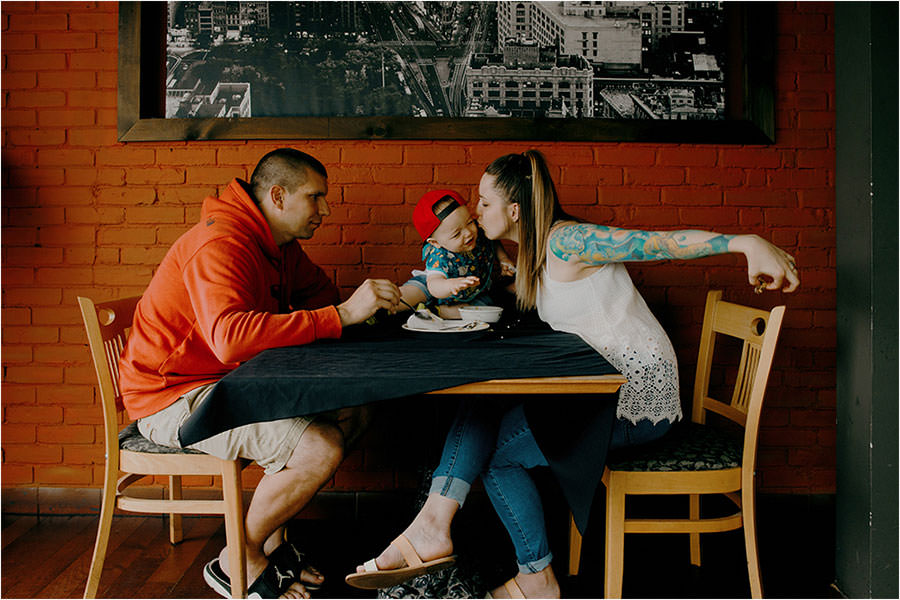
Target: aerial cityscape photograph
x=570 y=59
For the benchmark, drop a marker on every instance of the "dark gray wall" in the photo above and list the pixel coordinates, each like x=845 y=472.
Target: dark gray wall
x=867 y=203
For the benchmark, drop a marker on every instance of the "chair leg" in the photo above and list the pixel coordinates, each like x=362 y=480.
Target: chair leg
x=574 y=546
x=695 y=537
x=107 y=508
x=615 y=539
x=235 y=534
x=176 y=534
x=748 y=508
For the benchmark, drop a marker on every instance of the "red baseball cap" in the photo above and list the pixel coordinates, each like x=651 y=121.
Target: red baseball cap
x=423 y=215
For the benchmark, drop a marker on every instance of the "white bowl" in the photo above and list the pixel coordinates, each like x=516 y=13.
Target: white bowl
x=485 y=314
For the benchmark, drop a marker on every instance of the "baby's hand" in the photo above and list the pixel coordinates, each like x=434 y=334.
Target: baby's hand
x=507 y=268
x=459 y=284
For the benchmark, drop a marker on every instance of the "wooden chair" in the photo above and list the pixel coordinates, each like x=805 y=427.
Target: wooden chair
x=696 y=458
x=136 y=457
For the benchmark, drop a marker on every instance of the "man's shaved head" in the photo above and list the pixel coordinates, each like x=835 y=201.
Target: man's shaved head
x=286 y=167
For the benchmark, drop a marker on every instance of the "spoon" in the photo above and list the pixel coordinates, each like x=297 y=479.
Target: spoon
x=422 y=314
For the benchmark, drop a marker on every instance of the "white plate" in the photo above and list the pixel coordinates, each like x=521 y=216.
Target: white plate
x=478 y=326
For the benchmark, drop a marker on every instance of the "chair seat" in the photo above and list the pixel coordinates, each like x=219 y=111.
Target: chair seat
x=688 y=447
x=131 y=439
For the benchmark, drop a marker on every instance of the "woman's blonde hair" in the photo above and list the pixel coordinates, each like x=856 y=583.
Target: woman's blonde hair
x=524 y=179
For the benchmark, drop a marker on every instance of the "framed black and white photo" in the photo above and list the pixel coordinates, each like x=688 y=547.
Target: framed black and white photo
x=692 y=72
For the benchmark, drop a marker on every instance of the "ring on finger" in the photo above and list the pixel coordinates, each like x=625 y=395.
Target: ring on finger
x=760 y=286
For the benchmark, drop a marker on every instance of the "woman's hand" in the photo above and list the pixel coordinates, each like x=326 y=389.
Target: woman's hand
x=768 y=266
x=507 y=269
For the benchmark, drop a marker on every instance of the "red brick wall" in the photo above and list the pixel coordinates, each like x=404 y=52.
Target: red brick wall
x=85 y=215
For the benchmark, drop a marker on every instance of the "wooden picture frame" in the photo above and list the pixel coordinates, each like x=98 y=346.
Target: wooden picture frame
x=749 y=106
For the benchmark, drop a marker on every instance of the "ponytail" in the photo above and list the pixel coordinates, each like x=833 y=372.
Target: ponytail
x=524 y=179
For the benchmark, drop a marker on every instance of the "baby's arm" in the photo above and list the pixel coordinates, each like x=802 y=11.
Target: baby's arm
x=440 y=286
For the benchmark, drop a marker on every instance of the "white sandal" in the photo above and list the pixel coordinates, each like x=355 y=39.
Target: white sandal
x=373 y=578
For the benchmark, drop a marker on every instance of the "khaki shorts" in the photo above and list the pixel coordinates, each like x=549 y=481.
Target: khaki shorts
x=270 y=443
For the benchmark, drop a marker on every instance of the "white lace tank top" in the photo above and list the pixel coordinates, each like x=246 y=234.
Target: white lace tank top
x=608 y=313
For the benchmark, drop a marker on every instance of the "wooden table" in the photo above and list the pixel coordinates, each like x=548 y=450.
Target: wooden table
x=578 y=384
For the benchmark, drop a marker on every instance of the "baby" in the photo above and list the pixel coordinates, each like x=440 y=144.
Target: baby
x=459 y=259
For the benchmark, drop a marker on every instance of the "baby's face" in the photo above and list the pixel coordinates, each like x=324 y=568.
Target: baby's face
x=457 y=233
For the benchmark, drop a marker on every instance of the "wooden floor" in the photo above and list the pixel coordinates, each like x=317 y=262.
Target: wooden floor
x=48 y=557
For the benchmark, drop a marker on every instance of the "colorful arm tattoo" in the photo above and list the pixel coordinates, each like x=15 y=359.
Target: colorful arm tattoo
x=598 y=244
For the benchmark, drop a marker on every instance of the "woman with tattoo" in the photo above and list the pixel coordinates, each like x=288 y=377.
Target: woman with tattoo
x=572 y=272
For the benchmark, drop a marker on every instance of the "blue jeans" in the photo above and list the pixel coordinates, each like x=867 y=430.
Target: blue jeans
x=501 y=448
x=467 y=448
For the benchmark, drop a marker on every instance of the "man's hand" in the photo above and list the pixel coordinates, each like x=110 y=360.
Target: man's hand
x=368 y=298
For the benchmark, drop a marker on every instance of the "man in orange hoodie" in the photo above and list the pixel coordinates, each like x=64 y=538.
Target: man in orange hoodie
x=235 y=284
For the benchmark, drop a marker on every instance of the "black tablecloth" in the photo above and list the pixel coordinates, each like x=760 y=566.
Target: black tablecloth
x=381 y=362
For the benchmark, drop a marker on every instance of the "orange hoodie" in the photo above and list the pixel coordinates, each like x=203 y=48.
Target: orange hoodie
x=223 y=293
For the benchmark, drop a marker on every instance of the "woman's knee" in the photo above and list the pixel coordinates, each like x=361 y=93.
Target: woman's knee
x=516 y=446
x=320 y=447
x=506 y=456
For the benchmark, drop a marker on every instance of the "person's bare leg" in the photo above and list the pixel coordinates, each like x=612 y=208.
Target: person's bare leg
x=280 y=496
x=429 y=533
x=542 y=584
x=449 y=311
x=353 y=422
x=412 y=295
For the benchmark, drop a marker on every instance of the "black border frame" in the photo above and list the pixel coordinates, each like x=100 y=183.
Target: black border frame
x=750 y=100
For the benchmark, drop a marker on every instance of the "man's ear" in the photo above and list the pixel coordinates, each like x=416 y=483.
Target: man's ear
x=276 y=194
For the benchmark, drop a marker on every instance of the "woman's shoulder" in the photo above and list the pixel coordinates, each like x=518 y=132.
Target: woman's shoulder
x=572 y=225
x=571 y=229
x=581 y=245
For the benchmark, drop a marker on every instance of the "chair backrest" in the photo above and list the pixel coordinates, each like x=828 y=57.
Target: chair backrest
x=759 y=330
x=107 y=326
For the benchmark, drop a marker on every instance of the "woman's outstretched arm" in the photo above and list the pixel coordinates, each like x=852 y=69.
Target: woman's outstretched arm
x=599 y=244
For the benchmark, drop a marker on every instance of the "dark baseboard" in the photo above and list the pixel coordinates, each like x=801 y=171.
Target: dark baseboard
x=86 y=501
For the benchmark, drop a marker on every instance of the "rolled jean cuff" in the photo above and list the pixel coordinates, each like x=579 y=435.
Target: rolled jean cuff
x=536 y=566
x=450 y=487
